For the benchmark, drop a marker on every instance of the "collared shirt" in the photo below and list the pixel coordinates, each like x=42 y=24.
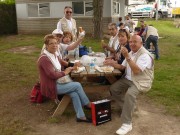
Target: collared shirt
x=54 y=59
x=111 y=40
x=144 y=61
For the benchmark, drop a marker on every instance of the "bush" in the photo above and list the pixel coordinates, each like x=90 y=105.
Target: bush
x=8 y=22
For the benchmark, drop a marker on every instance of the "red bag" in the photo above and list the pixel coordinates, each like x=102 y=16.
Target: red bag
x=36 y=96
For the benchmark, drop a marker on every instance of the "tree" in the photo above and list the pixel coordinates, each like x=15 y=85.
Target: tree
x=97 y=18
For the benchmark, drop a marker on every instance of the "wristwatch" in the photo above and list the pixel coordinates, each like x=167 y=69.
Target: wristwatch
x=128 y=59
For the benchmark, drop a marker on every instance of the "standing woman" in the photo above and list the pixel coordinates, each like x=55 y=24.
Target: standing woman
x=50 y=71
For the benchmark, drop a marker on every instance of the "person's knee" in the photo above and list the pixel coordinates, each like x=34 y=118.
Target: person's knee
x=130 y=95
x=112 y=89
x=77 y=84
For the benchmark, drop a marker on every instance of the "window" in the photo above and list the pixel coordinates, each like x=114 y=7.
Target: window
x=82 y=8
x=116 y=8
x=39 y=10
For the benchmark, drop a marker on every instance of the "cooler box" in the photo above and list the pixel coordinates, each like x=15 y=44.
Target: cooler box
x=101 y=111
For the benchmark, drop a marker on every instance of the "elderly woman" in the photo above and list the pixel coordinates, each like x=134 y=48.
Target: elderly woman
x=50 y=70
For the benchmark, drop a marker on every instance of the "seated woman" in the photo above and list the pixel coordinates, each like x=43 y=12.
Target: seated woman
x=50 y=70
x=123 y=37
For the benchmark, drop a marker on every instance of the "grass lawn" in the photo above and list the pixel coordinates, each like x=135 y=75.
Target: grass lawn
x=18 y=70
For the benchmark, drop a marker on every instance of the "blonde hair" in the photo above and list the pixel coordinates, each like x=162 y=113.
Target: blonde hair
x=48 y=37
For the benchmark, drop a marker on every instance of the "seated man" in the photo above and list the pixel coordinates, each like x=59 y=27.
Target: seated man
x=138 y=78
x=113 y=41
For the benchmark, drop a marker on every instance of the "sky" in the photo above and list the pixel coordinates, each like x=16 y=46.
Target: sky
x=177 y=3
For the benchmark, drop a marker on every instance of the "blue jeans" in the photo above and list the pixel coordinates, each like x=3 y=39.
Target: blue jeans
x=154 y=40
x=77 y=94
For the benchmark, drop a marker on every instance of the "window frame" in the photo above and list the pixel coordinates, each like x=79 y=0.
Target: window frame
x=84 y=10
x=38 y=10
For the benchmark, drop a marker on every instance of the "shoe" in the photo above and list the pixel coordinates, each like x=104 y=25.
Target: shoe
x=125 y=128
x=88 y=120
x=87 y=107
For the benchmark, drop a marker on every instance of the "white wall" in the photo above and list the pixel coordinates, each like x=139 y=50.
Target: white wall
x=57 y=9
x=107 y=8
x=21 y=11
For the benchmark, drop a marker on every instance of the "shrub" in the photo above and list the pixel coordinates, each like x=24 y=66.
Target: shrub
x=8 y=22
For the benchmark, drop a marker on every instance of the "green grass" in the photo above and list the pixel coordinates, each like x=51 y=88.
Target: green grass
x=166 y=86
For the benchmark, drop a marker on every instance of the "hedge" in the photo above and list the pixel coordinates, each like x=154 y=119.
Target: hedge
x=8 y=22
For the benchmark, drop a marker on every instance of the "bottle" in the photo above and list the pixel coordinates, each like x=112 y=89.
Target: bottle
x=92 y=65
x=90 y=50
x=77 y=53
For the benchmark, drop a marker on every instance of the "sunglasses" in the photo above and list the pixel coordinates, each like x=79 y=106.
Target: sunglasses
x=68 y=12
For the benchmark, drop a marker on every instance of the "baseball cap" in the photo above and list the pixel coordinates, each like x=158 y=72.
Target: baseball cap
x=57 y=31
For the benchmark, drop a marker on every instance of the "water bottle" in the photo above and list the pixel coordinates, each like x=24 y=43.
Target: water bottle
x=92 y=65
x=77 y=53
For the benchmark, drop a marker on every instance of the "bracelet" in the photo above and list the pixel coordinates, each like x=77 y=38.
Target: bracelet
x=128 y=59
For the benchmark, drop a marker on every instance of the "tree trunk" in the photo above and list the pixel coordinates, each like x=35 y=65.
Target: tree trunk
x=97 y=20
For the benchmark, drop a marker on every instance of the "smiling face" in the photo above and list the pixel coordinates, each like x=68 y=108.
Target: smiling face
x=112 y=29
x=123 y=36
x=135 y=43
x=51 y=43
x=68 y=13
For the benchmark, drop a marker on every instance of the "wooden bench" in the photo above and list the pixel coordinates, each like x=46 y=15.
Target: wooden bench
x=62 y=106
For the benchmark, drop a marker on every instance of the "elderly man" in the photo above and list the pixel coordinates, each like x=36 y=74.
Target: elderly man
x=67 y=23
x=113 y=41
x=138 y=78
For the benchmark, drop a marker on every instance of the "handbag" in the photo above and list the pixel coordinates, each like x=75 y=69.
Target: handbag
x=101 y=111
x=35 y=95
x=64 y=79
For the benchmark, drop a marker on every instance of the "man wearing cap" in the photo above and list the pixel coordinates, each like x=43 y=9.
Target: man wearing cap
x=67 y=23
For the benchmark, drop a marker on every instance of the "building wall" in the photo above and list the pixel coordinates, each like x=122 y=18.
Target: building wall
x=47 y=25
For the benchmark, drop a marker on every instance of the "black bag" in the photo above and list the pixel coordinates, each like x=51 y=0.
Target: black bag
x=101 y=111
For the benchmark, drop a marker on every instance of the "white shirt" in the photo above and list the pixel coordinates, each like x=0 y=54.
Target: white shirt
x=54 y=59
x=144 y=61
x=111 y=43
x=69 y=24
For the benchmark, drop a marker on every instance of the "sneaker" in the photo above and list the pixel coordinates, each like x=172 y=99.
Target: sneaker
x=125 y=128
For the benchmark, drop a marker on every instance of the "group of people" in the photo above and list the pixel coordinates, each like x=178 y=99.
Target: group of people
x=125 y=52
x=148 y=33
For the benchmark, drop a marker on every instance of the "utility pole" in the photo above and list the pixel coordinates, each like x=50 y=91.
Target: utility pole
x=157 y=6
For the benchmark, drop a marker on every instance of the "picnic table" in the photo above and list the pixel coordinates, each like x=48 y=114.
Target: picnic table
x=85 y=77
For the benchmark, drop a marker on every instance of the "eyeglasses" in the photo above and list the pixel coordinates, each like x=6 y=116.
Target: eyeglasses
x=68 y=12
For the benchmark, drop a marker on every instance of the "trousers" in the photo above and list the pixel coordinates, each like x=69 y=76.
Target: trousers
x=77 y=94
x=124 y=92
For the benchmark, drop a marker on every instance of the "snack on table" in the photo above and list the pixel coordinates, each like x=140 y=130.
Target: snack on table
x=80 y=29
x=107 y=69
x=76 y=68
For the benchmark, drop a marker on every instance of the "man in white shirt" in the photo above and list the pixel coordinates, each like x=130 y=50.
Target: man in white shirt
x=138 y=78
x=67 y=23
x=113 y=41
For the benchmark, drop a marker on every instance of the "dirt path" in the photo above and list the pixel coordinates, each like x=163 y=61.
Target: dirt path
x=149 y=120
